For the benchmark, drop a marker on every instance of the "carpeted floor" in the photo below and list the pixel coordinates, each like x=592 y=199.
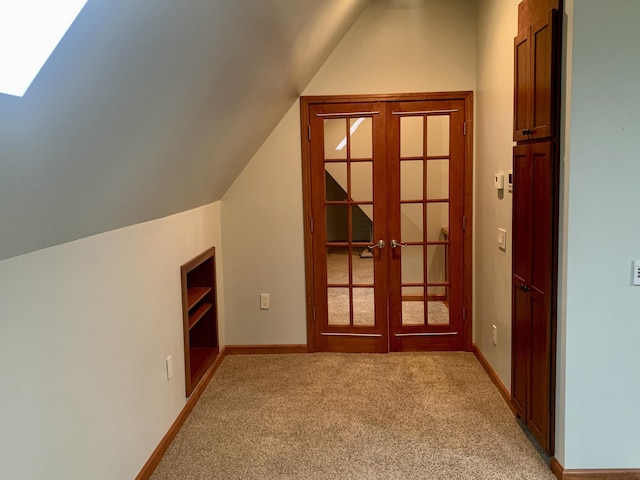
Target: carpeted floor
x=352 y=416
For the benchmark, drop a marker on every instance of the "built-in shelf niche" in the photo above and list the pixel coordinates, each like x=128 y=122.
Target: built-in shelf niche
x=199 y=310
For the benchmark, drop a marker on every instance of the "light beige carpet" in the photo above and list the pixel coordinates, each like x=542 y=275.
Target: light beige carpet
x=352 y=416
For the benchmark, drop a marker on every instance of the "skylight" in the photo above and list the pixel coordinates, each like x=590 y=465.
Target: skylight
x=29 y=32
x=352 y=130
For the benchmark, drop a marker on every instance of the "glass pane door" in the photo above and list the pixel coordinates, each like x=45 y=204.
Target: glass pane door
x=387 y=202
x=424 y=218
x=350 y=226
x=427 y=203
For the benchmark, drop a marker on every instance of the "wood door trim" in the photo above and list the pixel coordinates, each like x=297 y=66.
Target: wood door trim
x=391 y=97
x=307 y=225
x=468 y=225
x=305 y=106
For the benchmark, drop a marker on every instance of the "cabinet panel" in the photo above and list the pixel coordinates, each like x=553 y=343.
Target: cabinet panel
x=522 y=197
x=522 y=85
x=541 y=219
x=536 y=79
x=538 y=415
x=520 y=349
x=534 y=197
x=542 y=90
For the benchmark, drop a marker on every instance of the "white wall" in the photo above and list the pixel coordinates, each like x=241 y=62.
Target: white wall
x=85 y=330
x=602 y=392
x=262 y=231
x=497 y=26
x=404 y=46
x=565 y=136
x=395 y=46
x=145 y=112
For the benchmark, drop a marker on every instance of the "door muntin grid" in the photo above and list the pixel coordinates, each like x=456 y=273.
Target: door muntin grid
x=424 y=219
x=349 y=217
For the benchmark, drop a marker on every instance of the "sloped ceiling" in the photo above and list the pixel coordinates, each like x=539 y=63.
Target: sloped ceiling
x=147 y=109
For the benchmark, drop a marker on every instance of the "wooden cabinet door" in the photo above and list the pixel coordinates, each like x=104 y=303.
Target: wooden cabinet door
x=541 y=291
x=533 y=287
x=543 y=78
x=536 y=80
x=522 y=198
x=522 y=85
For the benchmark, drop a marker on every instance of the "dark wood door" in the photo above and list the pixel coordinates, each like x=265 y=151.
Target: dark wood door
x=536 y=79
x=386 y=194
x=348 y=171
x=426 y=216
x=534 y=261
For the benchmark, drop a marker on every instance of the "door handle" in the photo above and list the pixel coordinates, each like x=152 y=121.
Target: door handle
x=395 y=244
x=524 y=287
x=380 y=244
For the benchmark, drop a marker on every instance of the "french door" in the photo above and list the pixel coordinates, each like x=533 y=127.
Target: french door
x=386 y=243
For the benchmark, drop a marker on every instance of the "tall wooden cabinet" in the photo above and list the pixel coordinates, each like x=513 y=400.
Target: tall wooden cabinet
x=537 y=50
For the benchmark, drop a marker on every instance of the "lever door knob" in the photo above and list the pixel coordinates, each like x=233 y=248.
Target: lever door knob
x=379 y=244
x=395 y=244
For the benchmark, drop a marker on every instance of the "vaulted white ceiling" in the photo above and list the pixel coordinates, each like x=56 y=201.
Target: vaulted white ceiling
x=146 y=109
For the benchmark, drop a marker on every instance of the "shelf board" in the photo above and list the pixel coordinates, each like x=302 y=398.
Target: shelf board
x=195 y=294
x=201 y=358
x=197 y=315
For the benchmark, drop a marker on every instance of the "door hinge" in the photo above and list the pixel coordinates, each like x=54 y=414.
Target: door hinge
x=464 y=128
x=311 y=224
x=309 y=132
x=464 y=223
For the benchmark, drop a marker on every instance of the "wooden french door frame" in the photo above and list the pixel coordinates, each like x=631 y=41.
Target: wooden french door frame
x=306 y=104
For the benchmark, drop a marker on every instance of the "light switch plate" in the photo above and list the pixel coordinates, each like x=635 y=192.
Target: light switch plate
x=636 y=272
x=265 y=301
x=502 y=238
x=169 y=364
